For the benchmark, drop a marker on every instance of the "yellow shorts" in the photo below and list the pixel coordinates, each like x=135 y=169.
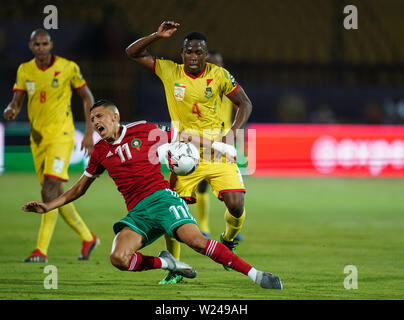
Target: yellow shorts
x=52 y=158
x=223 y=177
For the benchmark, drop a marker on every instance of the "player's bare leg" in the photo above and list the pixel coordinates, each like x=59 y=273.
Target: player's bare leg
x=202 y=208
x=125 y=256
x=234 y=202
x=191 y=235
x=51 y=188
x=124 y=245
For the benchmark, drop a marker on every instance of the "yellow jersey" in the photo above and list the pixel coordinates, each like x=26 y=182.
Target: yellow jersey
x=227 y=114
x=49 y=93
x=195 y=102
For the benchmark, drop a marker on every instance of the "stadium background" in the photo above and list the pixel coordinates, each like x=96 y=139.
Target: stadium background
x=295 y=59
x=298 y=65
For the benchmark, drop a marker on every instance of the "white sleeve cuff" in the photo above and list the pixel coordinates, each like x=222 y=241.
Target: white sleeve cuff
x=162 y=152
x=89 y=174
x=224 y=148
x=174 y=134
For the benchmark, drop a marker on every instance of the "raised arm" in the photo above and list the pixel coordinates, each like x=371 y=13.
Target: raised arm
x=14 y=107
x=75 y=192
x=137 y=50
x=88 y=101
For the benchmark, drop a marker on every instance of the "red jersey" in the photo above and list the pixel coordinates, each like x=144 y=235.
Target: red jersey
x=132 y=161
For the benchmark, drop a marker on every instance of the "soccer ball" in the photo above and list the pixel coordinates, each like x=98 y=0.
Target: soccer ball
x=182 y=158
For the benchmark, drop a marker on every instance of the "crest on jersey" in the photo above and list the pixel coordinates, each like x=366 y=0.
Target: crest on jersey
x=179 y=91
x=208 y=93
x=55 y=82
x=30 y=87
x=136 y=143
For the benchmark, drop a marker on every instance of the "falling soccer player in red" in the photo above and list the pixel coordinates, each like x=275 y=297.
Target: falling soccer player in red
x=130 y=156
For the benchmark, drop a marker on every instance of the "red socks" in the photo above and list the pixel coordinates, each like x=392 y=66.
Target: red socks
x=214 y=250
x=219 y=253
x=139 y=262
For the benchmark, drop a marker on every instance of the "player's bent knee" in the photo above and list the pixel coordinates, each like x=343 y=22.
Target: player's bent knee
x=236 y=208
x=234 y=202
x=203 y=186
x=118 y=260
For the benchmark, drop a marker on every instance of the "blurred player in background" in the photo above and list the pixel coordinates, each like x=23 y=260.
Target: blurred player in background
x=227 y=111
x=48 y=81
x=194 y=93
x=126 y=152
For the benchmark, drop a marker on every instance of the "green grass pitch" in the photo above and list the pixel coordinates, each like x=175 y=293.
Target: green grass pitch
x=304 y=230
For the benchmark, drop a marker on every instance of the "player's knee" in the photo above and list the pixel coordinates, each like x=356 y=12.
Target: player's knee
x=236 y=207
x=235 y=203
x=48 y=193
x=51 y=189
x=202 y=187
x=118 y=260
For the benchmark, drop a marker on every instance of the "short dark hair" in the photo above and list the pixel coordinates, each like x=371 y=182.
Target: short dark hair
x=102 y=102
x=195 y=35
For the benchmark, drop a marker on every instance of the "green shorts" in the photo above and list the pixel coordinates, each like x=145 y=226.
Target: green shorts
x=161 y=212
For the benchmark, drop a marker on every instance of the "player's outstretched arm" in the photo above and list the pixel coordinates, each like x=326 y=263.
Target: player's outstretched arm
x=75 y=192
x=137 y=50
x=88 y=100
x=225 y=149
x=14 y=107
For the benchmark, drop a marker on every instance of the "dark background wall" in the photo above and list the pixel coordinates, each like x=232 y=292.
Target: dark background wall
x=295 y=59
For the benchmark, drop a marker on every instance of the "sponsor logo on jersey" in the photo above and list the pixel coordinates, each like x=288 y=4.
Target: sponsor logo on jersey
x=179 y=91
x=136 y=143
x=109 y=154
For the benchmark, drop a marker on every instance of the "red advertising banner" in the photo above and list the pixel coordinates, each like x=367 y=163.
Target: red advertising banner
x=328 y=150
